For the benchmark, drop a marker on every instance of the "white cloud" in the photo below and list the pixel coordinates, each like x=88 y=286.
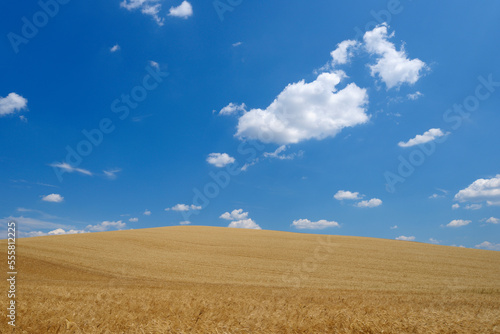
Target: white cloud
x=458 y=223
x=392 y=66
x=489 y=245
x=345 y=194
x=12 y=103
x=237 y=44
x=240 y=219
x=245 y=223
x=147 y=212
x=395 y=227
x=374 y=202
x=492 y=203
x=54 y=198
x=402 y=237
x=220 y=159
x=302 y=224
x=232 y=109
x=428 y=136
x=481 y=189
x=277 y=154
x=235 y=215
x=473 y=206
x=179 y=207
x=32 y=223
x=154 y=64
x=186 y=222
x=23 y=119
x=455 y=206
x=22 y=234
x=493 y=220
x=434 y=241
x=115 y=48
x=183 y=207
x=106 y=225
x=148 y=7
x=133 y=220
x=304 y=111
x=184 y=10
x=344 y=52
x=111 y=173
x=70 y=169
x=414 y=96
x=61 y=231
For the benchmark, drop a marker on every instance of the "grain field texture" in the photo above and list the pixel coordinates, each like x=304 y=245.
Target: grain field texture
x=193 y=279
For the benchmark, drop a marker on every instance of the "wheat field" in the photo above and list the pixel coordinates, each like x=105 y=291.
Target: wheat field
x=194 y=279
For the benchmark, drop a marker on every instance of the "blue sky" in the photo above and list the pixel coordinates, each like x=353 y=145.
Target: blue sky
x=366 y=118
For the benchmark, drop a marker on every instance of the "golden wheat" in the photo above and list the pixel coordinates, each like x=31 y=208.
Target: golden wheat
x=221 y=280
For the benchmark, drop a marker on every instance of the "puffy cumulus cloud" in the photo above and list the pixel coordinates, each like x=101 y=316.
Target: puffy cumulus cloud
x=12 y=103
x=183 y=207
x=305 y=111
x=303 y=224
x=392 y=66
x=239 y=219
x=234 y=215
x=344 y=52
x=147 y=212
x=434 y=241
x=133 y=220
x=493 y=220
x=458 y=223
x=395 y=227
x=106 y=225
x=481 y=189
x=184 y=10
x=374 y=202
x=147 y=7
x=345 y=194
x=232 y=109
x=54 y=198
x=428 y=136
x=404 y=238
x=70 y=169
x=489 y=245
x=61 y=231
x=455 y=206
x=245 y=223
x=220 y=159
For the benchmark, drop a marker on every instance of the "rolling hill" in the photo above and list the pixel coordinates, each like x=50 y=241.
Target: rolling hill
x=194 y=279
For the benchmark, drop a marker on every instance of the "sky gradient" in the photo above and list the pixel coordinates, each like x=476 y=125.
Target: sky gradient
x=365 y=118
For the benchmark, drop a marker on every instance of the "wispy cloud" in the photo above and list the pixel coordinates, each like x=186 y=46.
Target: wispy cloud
x=114 y=48
x=70 y=169
x=111 y=173
x=428 y=136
